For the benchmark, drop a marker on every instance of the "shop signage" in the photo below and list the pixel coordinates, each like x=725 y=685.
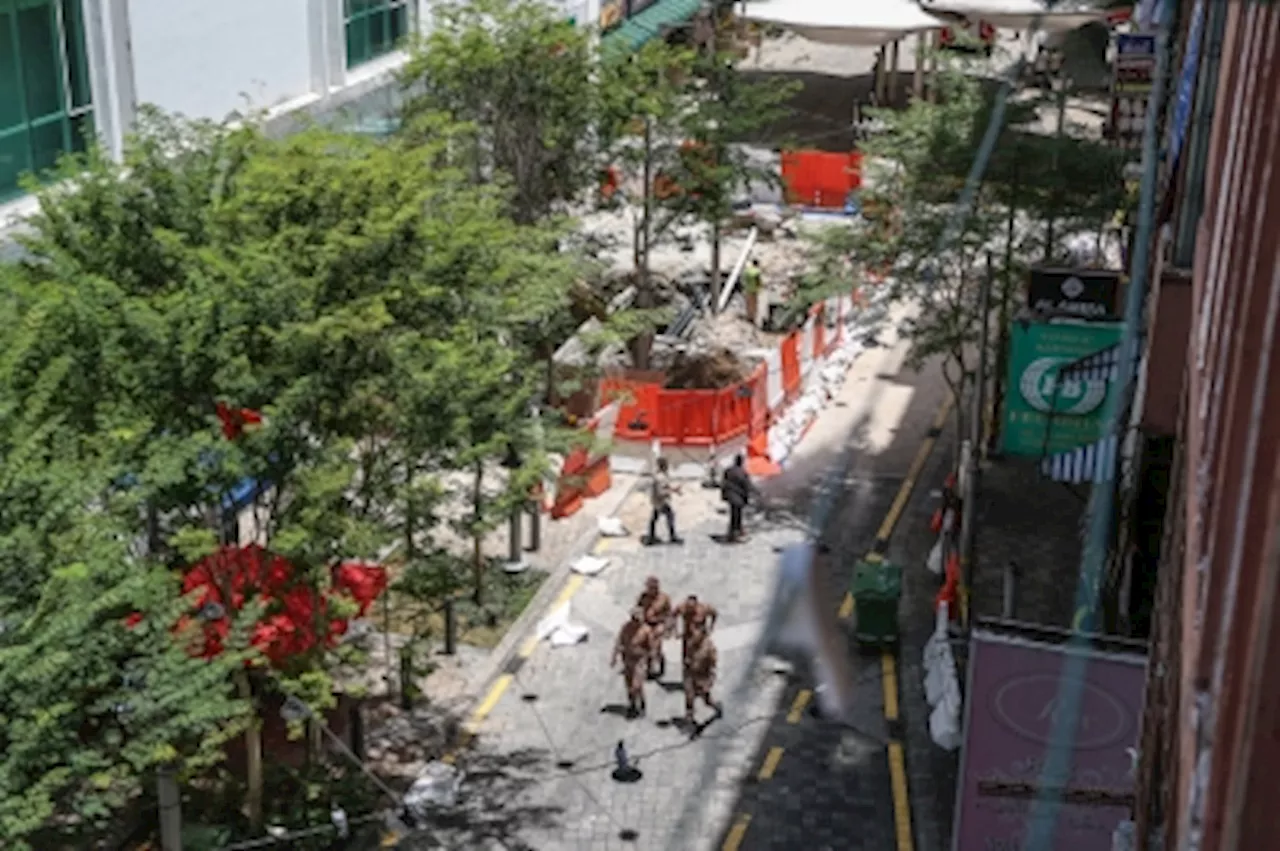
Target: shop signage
x=1081 y=293
x=1014 y=705
x=1133 y=77
x=1045 y=413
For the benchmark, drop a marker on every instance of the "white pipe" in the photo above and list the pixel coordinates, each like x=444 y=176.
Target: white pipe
x=732 y=283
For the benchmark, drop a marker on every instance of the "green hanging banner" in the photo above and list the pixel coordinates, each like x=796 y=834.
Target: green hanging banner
x=1038 y=351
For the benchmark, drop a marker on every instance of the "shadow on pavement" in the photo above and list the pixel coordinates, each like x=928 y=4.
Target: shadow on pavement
x=830 y=787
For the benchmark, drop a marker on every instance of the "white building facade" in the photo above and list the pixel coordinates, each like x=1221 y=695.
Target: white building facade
x=69 y=68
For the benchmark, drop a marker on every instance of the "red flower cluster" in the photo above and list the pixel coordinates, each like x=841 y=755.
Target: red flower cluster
x=289 y=625
x=234 y=420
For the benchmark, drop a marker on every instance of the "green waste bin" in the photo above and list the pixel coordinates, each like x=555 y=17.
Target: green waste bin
x=876 y=589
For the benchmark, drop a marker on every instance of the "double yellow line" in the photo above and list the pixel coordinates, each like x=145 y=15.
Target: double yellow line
x=888 y=667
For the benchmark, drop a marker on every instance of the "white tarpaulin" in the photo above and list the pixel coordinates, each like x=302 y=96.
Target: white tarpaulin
x=856 y=24
x=1018 y=14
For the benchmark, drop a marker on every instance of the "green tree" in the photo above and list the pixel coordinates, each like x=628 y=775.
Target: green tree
x=93 y=705
x=915 y=171
x=519 y=77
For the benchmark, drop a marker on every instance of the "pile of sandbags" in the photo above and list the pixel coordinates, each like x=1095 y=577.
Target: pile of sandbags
x=942 y=685
x=825 y=381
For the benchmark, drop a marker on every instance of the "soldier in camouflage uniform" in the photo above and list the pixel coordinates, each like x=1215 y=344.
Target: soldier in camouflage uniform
x=634 y=648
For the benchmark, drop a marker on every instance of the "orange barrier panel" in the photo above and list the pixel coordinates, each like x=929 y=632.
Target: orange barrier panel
x=637 y=406
x=586 y=472
x=790 y=349
x=821 y=178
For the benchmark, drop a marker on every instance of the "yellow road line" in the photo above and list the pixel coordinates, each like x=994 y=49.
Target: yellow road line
x=901 y=799
x=903 y=496
x=889 y=678
x=736 y=833
x=771 y=761
x=798 y=705
x=503 y=682
x=913 y=473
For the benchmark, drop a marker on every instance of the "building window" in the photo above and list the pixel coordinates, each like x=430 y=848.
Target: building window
x=46 y=108
x=374 y=28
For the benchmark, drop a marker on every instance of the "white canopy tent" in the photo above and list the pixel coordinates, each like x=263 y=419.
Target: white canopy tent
x=873 y=23
x=1018 y=14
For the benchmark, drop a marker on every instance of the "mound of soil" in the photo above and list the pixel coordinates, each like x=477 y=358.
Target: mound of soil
x=710 y=370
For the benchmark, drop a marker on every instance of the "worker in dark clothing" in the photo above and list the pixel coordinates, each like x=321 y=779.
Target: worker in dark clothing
x=736 y=489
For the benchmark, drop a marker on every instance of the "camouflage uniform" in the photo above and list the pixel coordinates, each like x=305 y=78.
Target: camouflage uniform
x=696 y=617
x=658 y=615
x=700 y=675
x=634 y=647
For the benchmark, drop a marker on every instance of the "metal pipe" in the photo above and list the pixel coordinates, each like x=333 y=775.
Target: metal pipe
x=968 y=524
x=1009 y=603
x=732 y=282
x=515 y=536
x=170 y=808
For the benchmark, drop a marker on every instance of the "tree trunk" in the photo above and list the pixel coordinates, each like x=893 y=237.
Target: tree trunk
x=252 y=754
x=642 y=346
x=715 y=265
x=477 y=537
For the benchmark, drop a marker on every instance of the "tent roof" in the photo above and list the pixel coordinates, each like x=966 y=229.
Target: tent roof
x=1018 y=14
x=858 y=24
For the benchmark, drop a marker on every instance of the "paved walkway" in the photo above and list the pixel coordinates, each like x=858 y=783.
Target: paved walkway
x=539 y=771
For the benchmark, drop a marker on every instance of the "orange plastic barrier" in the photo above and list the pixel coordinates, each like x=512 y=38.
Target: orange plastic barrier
x=790 y=349
x=820 y=178
x=586 y=472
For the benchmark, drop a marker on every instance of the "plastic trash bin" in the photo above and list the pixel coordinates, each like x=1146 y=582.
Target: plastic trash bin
x=876 y=589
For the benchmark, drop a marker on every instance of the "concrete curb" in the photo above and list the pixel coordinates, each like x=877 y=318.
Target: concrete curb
x=479 y=683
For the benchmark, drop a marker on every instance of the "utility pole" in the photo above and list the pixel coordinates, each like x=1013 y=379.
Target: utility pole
x=1002 y=317
x=968 y=529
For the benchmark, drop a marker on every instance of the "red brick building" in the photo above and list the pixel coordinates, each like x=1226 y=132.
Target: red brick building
x=1210 y=753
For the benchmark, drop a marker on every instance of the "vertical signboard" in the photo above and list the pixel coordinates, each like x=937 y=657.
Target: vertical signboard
x=1012 y=705
x=1133 y=77
x=1037 y=353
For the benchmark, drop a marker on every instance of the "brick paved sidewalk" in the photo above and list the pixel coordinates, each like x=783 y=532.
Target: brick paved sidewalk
x=539 y=772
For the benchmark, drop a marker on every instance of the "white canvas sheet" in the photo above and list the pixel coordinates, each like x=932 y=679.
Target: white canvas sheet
x=854 y=24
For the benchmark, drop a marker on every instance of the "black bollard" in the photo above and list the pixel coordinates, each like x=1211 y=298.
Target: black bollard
x=450 y=629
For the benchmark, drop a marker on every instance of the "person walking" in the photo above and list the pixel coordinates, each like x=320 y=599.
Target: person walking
x=736 y=490
x=700 y=677
x=696 y=618
x=633 y=648
x=752 y=284
x=659 y=617
x=660 y=491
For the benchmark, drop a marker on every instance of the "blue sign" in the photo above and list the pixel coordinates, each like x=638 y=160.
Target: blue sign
x=1186 y=94
x=1135 y=45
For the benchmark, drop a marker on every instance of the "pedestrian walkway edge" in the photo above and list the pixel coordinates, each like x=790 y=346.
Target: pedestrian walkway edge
x=507 y=653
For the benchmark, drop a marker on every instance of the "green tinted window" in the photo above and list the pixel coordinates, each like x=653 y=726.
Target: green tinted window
x=45 y=100
x=374 y=28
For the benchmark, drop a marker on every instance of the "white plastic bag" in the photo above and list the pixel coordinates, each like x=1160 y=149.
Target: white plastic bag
x=611 y=527
x=589 y=565
x=934 y=562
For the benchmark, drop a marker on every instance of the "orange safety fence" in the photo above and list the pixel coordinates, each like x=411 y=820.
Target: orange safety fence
x=790 y=349
x=820 y=178
x=586 y=472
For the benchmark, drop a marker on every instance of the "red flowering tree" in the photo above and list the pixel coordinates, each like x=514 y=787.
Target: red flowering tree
x=297 y=617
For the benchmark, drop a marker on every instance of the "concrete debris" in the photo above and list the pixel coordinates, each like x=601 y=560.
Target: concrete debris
x=713 y=369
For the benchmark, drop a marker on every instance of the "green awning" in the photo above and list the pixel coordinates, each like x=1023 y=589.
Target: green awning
x=650 y=23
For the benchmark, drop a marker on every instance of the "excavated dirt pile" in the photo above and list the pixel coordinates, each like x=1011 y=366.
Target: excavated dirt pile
x=710 y=370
